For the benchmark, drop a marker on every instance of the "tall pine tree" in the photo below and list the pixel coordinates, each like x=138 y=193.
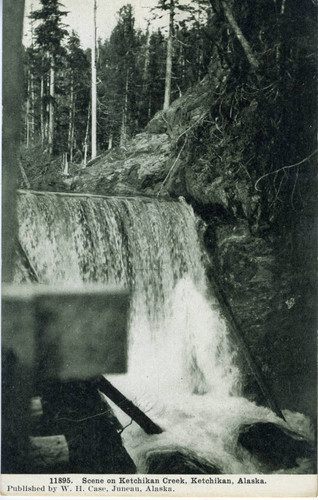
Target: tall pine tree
x=49 y=34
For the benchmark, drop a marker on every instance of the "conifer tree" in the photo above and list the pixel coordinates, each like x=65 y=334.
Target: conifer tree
x=124 y=45
x=173 y=8
x=77 y=93
x=49 y=34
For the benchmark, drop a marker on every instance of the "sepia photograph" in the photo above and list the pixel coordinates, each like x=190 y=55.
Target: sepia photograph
x=159 y=248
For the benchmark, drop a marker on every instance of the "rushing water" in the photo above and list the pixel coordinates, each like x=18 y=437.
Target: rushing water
x=182 y=368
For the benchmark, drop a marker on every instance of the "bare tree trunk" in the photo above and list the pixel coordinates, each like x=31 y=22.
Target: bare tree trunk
x=42 y=112
x=65 y=164
x=241 y=38
x=123 y=131
x=70 y=138
x=32 y=131
x=169 y=57
x=110 y=141
x=149 y=106
x=32 y=125
x=24 y=175
x=200 y=50
x=146 y=62
x=51 y=106
x=47 y=113
x=86 y=139
x=94 y=97
x=72 y=133
x=27 y=114
x=183 y=67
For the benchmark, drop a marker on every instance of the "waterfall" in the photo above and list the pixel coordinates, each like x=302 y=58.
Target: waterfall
x=182 y=369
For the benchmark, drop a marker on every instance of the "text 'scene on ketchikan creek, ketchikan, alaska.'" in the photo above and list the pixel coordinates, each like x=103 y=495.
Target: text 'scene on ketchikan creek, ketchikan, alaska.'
x=163 y=486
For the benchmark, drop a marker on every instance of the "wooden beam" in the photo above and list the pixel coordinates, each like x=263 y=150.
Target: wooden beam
x=127 y=406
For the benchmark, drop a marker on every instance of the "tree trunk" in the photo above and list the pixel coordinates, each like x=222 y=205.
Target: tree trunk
x=72 y=133
x=65 y=164
x=169 y=58
x=47 y=112
x=42 y=112
x=51 y=106
x=149 y=106
x=71 y=122
x=94 y=97
x=241 y=38
x=200 y=48
x=24 y=175
x=32 y=131
x=110 y=141
x=86 y=139
x=27 y=114
x=123 y=132
x=32 y=111
x=146 y=61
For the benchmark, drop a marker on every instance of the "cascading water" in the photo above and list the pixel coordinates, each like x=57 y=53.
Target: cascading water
x=182 y=369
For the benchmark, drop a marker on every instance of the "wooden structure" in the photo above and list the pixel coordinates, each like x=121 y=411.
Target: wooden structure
x=53 y=337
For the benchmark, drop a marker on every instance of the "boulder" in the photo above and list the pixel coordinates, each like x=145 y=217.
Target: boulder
x=275 y=446
x=177 y=462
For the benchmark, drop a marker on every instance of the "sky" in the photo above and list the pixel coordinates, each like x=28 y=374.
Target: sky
x=80 y=17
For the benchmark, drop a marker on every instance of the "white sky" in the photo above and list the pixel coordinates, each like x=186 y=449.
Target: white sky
x=80 y=17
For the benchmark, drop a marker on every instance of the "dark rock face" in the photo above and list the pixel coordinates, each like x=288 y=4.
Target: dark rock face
x=176 y=462
x=264 y=284
x=274 y=446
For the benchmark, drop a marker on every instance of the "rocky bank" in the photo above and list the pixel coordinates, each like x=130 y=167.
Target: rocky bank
x=263 y=263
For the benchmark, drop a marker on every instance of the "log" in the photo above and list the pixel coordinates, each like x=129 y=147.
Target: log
x=93 y=160
x=127 y=406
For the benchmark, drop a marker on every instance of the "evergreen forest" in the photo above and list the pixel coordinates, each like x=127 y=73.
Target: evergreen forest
x=257 y=58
